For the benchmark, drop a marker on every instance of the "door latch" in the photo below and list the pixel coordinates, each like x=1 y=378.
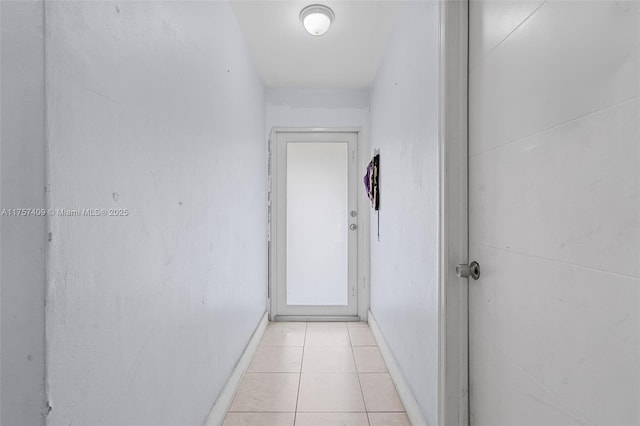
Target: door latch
x=471 y=270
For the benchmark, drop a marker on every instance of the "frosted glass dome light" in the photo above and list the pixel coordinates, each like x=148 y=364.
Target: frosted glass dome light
x=316 y=19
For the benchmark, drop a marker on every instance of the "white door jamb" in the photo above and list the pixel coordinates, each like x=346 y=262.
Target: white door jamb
x=453 y=363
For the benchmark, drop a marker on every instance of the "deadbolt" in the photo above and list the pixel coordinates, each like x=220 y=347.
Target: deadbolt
x=354 y=213
x=471 y=270
x=353 y=226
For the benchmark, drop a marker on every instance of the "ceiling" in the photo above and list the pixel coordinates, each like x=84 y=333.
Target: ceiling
x=347 y=57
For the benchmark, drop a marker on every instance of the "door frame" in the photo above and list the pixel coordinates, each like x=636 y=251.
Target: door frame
x=453 y=228
x=363 y=220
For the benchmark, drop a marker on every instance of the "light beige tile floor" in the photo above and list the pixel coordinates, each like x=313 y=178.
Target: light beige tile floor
x=317 y=374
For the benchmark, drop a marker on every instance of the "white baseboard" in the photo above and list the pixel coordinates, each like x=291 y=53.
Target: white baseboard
x=221 y=406
x=404 y=391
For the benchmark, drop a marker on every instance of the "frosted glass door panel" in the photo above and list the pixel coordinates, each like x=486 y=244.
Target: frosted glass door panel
x=317 y=224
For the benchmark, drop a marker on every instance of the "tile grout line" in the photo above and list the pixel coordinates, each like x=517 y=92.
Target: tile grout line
x=404 y=411
x=304 y=344
x=366 y=411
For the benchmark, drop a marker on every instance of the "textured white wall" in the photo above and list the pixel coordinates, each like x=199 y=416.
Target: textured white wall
x=317 y=108
x=404 y=263
x=23 y=238
x=154 y=107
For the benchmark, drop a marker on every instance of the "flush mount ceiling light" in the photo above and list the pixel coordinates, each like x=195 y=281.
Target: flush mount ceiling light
x=316 y=19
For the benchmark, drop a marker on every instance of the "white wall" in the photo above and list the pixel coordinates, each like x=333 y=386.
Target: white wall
x=404 y=263
x=23 y=238
x=317 y=108
x=554 y=212
x=154 y=107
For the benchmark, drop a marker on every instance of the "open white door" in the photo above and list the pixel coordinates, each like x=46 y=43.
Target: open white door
x=554 y=217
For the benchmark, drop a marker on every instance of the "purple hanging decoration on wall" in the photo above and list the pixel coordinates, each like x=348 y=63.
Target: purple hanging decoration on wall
x=372 y=184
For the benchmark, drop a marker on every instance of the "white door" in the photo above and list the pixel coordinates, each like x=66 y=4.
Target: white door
x=315 y=215
x=554 y=216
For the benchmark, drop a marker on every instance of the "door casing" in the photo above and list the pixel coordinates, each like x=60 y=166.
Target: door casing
x=453 y=364
x=275 y=266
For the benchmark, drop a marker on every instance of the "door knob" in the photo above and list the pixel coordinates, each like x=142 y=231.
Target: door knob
x=353 y=226
x=471 y=270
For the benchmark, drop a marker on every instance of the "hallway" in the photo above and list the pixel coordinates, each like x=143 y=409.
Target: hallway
x=162 y=164
x=317 y=374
